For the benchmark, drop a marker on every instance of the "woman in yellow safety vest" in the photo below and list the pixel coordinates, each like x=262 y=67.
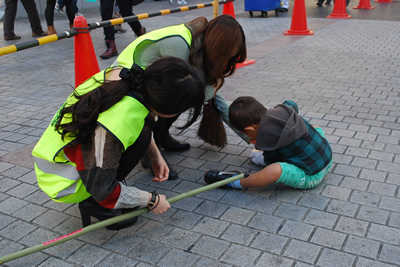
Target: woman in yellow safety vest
x=214 y=48
x=102 y=131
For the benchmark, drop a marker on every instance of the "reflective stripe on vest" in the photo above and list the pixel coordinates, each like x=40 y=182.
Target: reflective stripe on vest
x=126 y=57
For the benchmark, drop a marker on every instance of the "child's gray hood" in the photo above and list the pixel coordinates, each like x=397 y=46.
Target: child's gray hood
x=279 y=127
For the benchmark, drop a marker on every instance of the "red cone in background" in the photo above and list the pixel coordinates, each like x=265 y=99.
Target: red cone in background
x=364 y=4
x=85 y=58
x=339 y=10
x=299 y=20
x=245 y=63
x=229 y=9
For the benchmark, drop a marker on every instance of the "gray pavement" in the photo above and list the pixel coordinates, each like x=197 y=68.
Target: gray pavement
x=345 y=78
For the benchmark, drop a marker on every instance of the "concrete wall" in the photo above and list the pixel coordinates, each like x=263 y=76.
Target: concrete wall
x=41 y=5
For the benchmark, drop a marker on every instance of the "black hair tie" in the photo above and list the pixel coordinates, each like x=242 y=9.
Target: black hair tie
x=136 y=75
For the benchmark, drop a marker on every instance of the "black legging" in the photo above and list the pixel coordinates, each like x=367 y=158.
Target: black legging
x=49 y=11
x=130 y=158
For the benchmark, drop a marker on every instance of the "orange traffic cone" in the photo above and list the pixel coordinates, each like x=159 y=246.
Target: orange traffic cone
x=299 y=20
x=229 y=9
x=339 y=10
x=85 y=58
x=364 y=4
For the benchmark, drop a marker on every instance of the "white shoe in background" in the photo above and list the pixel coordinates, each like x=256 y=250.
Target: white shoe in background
x=182 y=2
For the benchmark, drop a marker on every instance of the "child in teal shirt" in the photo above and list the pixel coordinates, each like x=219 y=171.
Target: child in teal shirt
x=296 y=153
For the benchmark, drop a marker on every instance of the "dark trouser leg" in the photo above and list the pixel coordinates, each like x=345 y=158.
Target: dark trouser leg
x=33 y=15
x=70 y=10
x=9 y=17
x=49 y=12
x=106 y=10
x=125 y=8
x=163 y=138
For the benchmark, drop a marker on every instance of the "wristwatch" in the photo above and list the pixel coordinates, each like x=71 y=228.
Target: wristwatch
x=153 y=199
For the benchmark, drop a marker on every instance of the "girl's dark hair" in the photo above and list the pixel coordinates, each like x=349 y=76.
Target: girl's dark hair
x=245 y=111
x=223 y=36
x=168 y=86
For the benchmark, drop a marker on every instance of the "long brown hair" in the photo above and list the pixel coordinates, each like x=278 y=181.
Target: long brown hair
x=169 y=86
x=224 y=45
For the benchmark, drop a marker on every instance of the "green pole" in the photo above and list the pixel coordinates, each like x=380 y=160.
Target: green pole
x=110 y=221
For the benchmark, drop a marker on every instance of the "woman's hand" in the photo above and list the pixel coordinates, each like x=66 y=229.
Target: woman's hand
x=160 y=167
x=161 y=205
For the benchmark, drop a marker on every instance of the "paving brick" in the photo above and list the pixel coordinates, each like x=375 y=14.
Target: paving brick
x=390 y=254
x=211 y=227
x=56 y=262
x=313 y=201
x=241 y=255
x=382 y=189
x=372 y=214
x=328 y=238
x=331 y=257
x=342 y=208
x=302 y=251
x=210 y=247
x=184 y=219
x=395 y=220
x=365 y=198
x=336 y=192
x=212 y=209
x=347 y=170
x=297 y=230
x=355 y=183
x=321 y=218
x=290 y=211
x=351 y=226
x=237 y=215
x=22 y=190
x=363 y=262
x=268 y=259
x=385 y=234
x=237 y=198
x=177 y=257
x=7 y=184
x=363 y=247
x=373 y=175
x=239 y=234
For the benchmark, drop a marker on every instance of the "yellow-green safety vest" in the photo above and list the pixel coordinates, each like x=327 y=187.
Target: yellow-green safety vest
x=56 y=175
x=127 y=57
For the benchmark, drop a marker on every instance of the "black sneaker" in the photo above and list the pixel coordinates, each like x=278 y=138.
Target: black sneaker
x=213 y=176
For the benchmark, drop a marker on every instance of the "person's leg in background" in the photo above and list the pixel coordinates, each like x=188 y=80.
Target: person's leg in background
x=163 y=138
x=9 y=18
x=107 y=10
x=117 y=14
x=49 y=14
x=60 y=6
x=125 y=7
x=33 y=17
x=70 y=9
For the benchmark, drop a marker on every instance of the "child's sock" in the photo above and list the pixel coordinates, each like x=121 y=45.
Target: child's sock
x=235 y=184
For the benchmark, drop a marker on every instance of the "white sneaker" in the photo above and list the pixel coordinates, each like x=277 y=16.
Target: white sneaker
x=170 y=2
x=182 y=2
x=57 y=7
x=78 y=14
